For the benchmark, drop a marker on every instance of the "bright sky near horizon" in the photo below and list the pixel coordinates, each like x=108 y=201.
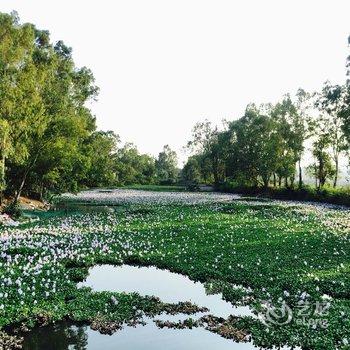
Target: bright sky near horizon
x=163 y=65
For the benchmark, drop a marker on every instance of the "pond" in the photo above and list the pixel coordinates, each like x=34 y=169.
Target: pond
x=64 y=336
x=169 y=287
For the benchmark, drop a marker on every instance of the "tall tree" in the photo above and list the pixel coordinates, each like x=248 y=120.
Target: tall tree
x=254 y=145
x=292 y=127
x=133 y=167
x=301 y=127
x=210 y=144
x=348 y=63
x=191 y=173
x=345 y=113
x=166 y=166
x=16 y=46
x=331 y=102
x=323 y=168
x=4 y=149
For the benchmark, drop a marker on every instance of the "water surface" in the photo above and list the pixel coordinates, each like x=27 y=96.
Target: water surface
x=168 y=286
x=63 y=336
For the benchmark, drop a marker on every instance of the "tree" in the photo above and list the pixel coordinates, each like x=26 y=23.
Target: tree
x=210 y=144
x=345 y=112
x=322 y=169
x=284 y=113
x=331 y=102
x=101 y=148
x=16 y=46
x=301 y=128
x=133 y=167
x=292 y=125
x=43 y=118
x=4 y=149
x=191 y=174
x=254 y=146
x=348 y=63
x=166 y=166
x=62 y=116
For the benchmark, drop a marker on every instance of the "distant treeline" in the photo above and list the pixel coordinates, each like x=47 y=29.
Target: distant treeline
x=48 y=137
x=49 y=142
x=264 y=148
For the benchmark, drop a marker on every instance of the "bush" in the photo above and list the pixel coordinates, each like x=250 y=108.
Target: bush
x=13 y=209
x=192 y=186
x=338 y=196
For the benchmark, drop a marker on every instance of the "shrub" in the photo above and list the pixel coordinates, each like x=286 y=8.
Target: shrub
x=192 y=186
x=13 y=209
x=338 y=196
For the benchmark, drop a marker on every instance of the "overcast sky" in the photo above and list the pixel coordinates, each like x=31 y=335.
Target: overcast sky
x=164 y=65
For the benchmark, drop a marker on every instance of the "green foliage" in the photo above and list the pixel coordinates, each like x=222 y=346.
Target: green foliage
x=330 y=137
x=133 y=167
x=191 y=174
x=327 y=194
x=100 y=150
x=264 y=147
x=166 y=166
x=43 y=108
x=48 y=138
x=210 y=147
x=13 y=209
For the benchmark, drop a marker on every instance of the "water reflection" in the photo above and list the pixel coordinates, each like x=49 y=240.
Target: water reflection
x=60 y=336
x=168 y=286
x=64 y=336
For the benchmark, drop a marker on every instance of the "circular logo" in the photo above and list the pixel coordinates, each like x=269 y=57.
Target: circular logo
x=280 y=315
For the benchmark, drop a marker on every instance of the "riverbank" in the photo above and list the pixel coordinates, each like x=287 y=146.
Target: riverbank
x=337 y=196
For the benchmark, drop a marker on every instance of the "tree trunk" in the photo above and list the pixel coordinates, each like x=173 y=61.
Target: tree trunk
x=322 y=178
x=215 y=171
x=20 y=188
x=2 y=170
x=266 y=181
x=24 y=178
x=41 y=194
x=274 y=180
x=300 y=174
x=2 y=177
x=292 y=180
x=336 y=172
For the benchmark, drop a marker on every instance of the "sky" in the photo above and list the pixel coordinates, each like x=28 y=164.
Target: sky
x=163 y=65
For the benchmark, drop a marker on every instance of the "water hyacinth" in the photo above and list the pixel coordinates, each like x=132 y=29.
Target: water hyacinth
x=278 y=252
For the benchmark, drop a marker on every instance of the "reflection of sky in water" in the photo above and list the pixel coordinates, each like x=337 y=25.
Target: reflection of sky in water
x=65 y=337
x=149 y=337
x=169 y=287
